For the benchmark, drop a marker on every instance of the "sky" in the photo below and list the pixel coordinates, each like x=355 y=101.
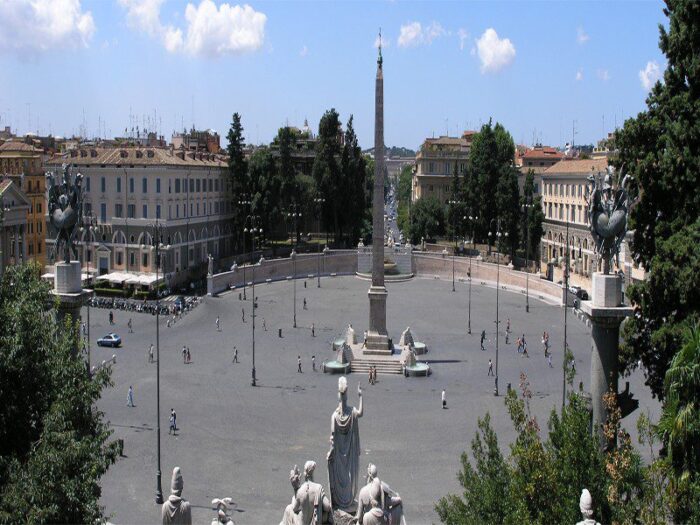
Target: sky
x=548 y=71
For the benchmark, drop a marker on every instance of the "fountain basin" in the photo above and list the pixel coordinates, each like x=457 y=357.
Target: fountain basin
x=417 y=370
x=336 y=367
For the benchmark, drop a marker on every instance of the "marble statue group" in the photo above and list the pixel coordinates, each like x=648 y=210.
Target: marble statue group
x=65 y=202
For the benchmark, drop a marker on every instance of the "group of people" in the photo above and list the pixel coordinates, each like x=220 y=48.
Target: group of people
x=186 y=356
x=372 y=375
x=522 y=346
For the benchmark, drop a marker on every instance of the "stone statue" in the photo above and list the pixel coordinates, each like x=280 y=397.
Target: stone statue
x=350 y=337
x=222 y=507
x=176 y=511
x=406 y=338
x=586 y=506
x=608 y=209
x=65 y=201
x=377 y=504
x=210 y=269
x=344 y=454
x=310 y=505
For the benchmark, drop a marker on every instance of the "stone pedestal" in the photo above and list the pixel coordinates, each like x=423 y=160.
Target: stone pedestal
x=606 y=313
x=377 y=337
x=68 y=287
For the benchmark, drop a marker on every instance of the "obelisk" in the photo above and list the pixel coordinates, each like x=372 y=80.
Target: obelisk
x=377 y=338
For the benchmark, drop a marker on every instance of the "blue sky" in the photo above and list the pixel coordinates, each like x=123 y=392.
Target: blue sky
x=534 y=66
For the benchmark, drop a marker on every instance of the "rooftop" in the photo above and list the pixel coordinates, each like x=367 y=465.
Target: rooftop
x=16 y=145
x=143 y=156
x=579 y=167
x=544 y=152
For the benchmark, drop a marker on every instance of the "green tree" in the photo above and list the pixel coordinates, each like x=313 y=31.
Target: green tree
x=403 y=196
x=660 y=149
x=352 y=185
x=238 y=171
x=456 y=212
x=534 y=217
x=288 y=182
x=326 y=170
x=427 y=219
x=264 y=185
x=53 y=441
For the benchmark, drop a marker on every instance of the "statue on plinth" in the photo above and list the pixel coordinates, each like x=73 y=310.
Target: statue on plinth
x=586 y=507
x=65 y=203
x=609 y=205
x=344 y=454
x=222 y=506
x=176 y=511
x=350 y=337
x=210 y=267
x=310 y=505
x=377 y=503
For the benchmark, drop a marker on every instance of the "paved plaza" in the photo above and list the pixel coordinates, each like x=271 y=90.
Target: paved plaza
x=239 y=441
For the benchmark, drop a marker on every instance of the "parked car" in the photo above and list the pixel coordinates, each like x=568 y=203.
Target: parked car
x=579 y=292
x=111 y=339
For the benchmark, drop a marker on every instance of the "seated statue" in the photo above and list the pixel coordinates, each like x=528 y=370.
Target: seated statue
x=586 y=506
x=310 y=505
x=377 y=503
x=176 y=511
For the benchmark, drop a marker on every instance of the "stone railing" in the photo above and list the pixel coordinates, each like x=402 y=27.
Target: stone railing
x=332 y=262
x=433 y=265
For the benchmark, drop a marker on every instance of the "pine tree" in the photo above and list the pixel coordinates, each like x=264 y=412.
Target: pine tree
x=238 y=172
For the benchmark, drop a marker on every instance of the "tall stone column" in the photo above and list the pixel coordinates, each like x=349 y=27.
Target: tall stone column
x=68 y=287
x=606 y=312
x=377 y=338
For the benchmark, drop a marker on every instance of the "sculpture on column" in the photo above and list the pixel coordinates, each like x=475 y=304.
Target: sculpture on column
x=377 y=503
x=176 y=511
x=586 y=507
x=210 y=267
x=65 y=201
x=608 y=209
x=222 y=507
x=310 y=505
x=344 y=454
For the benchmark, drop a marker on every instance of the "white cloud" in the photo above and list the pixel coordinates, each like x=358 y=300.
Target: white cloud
x=211 y=31
x=494 y=53
x=603 y=74
x=463 y=35
x=579 y=74
x=304 y=51
x=29 y=27
x=650 y=74
x=413 y=34
x=581 y=36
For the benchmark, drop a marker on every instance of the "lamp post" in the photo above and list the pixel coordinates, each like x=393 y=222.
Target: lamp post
x=245 y=200
x=472 y=220
x=497 y=234
x=90 y=224
x=565 y=364
x=319 y=202
x=294 y=214
x=526 y=209
x=158 y=230
x=453 y=203
x=252 y=226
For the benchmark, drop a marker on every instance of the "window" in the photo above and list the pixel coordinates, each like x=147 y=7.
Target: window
x=144 y=185
x=537 y=189
x=573 y=214
x=566 y=189
x=132 y=211
x=191 y=185
x=177 y=185
x=199 y=186
x=145 y=211
x=144 y=260
x=103 y=185
x=87 y=184
x=119 y=185
x=190 y=209
x=103 y=211
x=197 y=209
x=132 y=259
x=216 y=184
x=118 y=210
x=430 y=167
x=211 y=185
x=157 y=211
x=120 y=258
x=177 y=211
x=131 y=185
x=170 y=211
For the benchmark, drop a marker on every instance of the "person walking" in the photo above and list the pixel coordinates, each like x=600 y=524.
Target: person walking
x=189 y=356
x=444 y=400
x=167 y=323
x=313 y=363
x=313 y=330
x=242 y=314
x=483 y=338
x=173 y=422
x=218 y=324
x=131 y=331
x=369 y=375
x=130 y=397
x=490 y=368
x=525 y=354
x=111 y=317
x=299 y=365
x=83 y=327
x=374 y=374
x=264 y=325
x=304 y=299
x=507 y=329
x=549 y=360
x=235 y=355
x=184 y=355
x=150 y=353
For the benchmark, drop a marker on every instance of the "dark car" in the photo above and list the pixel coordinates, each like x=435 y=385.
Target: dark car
x=111 y=339
x=579 y=292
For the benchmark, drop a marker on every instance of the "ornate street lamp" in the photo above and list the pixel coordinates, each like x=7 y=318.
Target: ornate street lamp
x=252 y=226
x=454 y=203
x=472 y=219
x=526 y=210
x=246 y=200
x=497 y=234
x=89 y=224
x=294 y=215
x=319 y=201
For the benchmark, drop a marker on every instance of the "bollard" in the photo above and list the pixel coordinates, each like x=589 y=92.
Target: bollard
x=280 y=332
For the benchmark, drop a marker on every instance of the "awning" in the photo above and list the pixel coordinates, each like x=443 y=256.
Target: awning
x=115 y=277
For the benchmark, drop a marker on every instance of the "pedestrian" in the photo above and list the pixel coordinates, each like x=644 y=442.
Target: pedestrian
x=508 y=325
x=507 y=334
x=369 y=375
x=235 y=355
x=525 y=354
x=111 y=317
x=173 y=422
x=444 y=400
x=304 y=299
x=299 y=364
x=131 y=331
x=184 y=355
x=243 y=314
x=520 y=345
x=549 y=360
x=150 y=354
x=490 y=368
x=218 y=324
x=313 y=363
x=483 y=338
x=83 y=327
x=374 y=374
x=189 y=357
x=167 y=323
x=130 y=397
x=264 y=325
x=313 y=330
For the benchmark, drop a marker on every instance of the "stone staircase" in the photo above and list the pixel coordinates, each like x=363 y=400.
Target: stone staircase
x=384 y=366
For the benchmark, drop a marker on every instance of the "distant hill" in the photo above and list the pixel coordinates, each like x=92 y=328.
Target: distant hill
x=394 y=151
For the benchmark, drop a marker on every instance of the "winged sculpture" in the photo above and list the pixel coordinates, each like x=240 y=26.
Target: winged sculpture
x=65 y=199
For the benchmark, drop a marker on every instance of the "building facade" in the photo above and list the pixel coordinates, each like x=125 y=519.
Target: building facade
x=435 y=164
x=14 y=207
x=22 y=163
x=128 y=190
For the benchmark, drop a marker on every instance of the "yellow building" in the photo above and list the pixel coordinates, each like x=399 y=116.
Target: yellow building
x=23 y=163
